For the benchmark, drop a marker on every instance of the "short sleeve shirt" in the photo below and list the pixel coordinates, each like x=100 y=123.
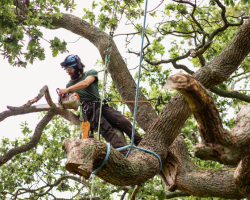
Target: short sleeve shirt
x=90 y=93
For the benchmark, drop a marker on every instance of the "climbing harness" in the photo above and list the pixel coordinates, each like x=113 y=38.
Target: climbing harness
x=87 y=124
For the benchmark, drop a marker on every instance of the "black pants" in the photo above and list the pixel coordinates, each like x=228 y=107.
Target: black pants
x=112 y=118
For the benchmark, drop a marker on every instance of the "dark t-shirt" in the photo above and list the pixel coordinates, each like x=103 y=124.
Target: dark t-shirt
x=89 y=93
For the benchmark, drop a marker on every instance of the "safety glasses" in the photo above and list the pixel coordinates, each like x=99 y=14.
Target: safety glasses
x=69 y=69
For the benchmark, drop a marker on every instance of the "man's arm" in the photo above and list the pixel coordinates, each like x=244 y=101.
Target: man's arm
x=79 y=86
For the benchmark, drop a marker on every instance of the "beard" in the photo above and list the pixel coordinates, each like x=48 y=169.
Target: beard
x=74 y=76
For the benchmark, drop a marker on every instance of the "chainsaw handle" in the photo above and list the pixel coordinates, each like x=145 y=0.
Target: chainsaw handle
x=57 y=90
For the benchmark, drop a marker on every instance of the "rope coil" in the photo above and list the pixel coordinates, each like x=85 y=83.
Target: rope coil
x=104 y=161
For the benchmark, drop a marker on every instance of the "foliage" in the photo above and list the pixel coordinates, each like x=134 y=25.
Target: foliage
x=177 y=28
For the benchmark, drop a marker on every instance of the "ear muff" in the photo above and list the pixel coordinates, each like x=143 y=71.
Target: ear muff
x=79 y=64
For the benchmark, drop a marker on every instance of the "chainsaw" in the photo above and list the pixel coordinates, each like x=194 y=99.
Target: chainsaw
x=65 y=101
x=68 y=101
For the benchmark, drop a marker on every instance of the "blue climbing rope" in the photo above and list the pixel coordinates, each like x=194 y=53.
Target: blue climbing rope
x=138 y=80
x=104 y=161
x=136 y=100
x=148 y=151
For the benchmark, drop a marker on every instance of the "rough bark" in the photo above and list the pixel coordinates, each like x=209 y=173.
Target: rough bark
x=197 y=181
x=84 y=156
x=228 y=147
x=242 y=176
x=217 y=143
x=165 y=128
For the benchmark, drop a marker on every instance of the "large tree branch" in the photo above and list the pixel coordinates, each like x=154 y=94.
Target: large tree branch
x=181 y=174
x=118 y=170
x=27 y=108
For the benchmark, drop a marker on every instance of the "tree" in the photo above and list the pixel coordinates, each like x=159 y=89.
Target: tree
x=219 y=38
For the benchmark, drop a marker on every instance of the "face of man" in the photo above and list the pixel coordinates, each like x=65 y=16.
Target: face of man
x=74 y=75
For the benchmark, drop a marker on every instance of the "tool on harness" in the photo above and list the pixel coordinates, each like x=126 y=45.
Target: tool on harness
x=84 y=120
x=88 y=124
x=85 y=129
x=68 y=101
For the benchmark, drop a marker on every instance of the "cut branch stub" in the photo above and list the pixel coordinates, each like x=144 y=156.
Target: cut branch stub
x=84 y=156
x=201 y=104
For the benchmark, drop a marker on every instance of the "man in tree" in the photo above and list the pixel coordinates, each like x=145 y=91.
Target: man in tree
x=206 y=27
x=85 y=84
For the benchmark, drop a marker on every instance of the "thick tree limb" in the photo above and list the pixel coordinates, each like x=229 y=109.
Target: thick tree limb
x=201 y=104
x=197 y=181
x=27 y=108
x=118 y=170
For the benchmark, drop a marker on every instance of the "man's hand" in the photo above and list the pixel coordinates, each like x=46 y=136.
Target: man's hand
x=63 y=91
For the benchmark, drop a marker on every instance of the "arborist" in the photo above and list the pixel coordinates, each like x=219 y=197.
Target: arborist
x=85 y=84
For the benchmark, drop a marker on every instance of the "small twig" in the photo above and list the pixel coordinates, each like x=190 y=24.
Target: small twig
x=135 y=192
